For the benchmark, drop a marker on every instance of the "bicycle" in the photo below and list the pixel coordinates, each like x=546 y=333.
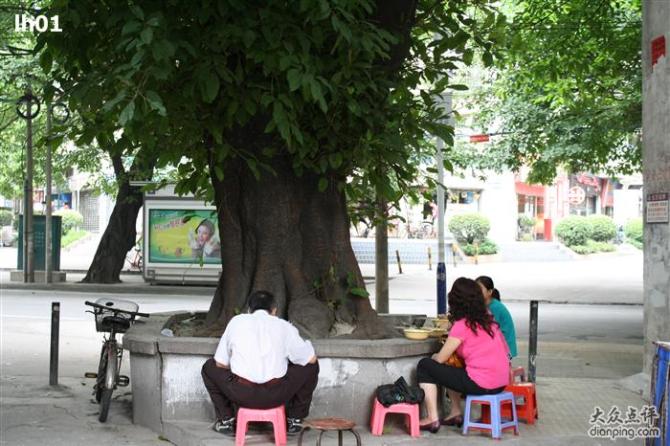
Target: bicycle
x=135 y=259
x=112 y=316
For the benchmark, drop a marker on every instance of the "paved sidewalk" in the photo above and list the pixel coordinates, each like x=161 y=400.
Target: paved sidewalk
x=34 y=414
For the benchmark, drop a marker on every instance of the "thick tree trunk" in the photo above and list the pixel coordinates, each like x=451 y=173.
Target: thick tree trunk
x=281 y=234
x=119 y=236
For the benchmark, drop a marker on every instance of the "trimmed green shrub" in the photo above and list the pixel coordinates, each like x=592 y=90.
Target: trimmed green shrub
x=72 y=236
x=600 y=246
x=603 y=228
x=592 y=247
x=574 y=231
x=526 y=223
x=487 y=247
x=6 y=217
x=469 y=228
x=582 y=249
x=71 y=219
x=634 y=231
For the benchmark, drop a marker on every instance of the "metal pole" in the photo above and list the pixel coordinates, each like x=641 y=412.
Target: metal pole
x=29 y=271
x=47 y=202
x=381 y=260
x=532 y=343
x=441 y=267
x=397 y=256
x=55 y=328
x=430 y=260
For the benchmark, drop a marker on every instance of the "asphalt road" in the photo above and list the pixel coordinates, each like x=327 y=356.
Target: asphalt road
x=25 y=332
x=603 y=279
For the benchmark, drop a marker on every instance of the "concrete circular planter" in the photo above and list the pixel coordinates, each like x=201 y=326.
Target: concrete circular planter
x=168 y=388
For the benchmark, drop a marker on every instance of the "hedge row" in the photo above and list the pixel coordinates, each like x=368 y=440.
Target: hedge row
x=577 y=231
x=470 y=231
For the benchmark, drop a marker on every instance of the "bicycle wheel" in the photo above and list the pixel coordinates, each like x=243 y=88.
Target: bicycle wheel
x=108 y=383
x=105 y=401
x=102 y=371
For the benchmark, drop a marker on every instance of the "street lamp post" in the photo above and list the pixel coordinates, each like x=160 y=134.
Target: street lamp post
x=28 y=238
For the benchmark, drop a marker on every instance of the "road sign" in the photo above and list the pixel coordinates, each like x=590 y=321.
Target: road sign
x=657 y=208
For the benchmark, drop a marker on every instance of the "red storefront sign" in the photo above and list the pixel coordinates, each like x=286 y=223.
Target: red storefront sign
x=657 y=49
x=588 y=180
x=479 y=138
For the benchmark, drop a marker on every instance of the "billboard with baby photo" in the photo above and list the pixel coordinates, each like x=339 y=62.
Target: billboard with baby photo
x=184 y=236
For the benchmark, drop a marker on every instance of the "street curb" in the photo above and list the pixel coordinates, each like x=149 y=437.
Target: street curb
x=567 y=302
x=119 y=288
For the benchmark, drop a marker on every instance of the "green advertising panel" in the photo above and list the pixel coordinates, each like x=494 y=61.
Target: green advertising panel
x=184 y=236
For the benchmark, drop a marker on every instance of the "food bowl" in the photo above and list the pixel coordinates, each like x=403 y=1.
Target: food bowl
x=416 y=334
x=437 y=332
x=439 y=322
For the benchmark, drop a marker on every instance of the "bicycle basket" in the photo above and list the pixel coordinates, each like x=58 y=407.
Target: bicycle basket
x=104 y=318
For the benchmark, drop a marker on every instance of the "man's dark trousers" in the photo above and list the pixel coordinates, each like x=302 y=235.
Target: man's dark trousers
x=294 y=390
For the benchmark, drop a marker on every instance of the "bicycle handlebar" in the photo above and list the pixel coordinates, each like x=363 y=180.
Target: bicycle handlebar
x=135 y=313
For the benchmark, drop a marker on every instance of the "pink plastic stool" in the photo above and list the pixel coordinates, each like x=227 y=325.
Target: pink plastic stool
x=276 y=416
x=379 y=413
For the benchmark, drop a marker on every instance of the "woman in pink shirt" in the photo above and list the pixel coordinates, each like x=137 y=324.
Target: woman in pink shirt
x=476 y=338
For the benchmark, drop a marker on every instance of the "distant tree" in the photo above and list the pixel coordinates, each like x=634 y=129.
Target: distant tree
x=568 y=92
x=22 y=64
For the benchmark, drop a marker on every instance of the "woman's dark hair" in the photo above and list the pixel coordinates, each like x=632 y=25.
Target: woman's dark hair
x=488 y=284
x=261 y=300
x=467 y=302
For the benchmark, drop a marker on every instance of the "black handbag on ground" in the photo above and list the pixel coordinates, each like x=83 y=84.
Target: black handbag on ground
x=399 y=392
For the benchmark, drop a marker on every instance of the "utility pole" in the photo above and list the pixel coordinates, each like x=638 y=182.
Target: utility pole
x=381 y=259
x=48 y=266
x=441 y=267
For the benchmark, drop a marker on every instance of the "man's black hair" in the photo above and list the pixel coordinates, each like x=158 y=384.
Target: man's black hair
x=261 y=300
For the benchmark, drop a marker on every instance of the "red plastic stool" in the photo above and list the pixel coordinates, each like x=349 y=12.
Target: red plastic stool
x=527 y=411
x=276 y=416
x=517 y=371
x=379 y=414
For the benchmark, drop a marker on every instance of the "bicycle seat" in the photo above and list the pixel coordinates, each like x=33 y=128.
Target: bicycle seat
x=120 y=324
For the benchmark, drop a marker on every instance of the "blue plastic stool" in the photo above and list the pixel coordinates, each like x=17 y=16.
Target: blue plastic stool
x=496 y=426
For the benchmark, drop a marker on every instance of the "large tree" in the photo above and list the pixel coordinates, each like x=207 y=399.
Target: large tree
x=277 y=112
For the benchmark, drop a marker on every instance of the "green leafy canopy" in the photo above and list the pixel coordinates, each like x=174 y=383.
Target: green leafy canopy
x=568 y=93
x=335 y=92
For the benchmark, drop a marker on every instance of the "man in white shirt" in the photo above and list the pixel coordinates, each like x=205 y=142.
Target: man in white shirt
x=261 y=362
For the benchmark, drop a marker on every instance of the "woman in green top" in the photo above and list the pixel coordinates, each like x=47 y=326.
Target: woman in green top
x=499 y=312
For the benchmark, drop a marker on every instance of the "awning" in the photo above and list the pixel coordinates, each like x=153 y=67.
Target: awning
x=529 y=189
